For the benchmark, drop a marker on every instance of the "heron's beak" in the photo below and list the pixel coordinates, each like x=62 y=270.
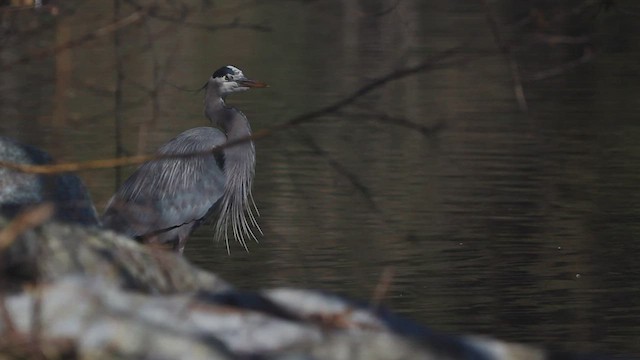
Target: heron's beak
x=252 y=83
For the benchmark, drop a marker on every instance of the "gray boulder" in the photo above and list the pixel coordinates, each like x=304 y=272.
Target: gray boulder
x=19 y=191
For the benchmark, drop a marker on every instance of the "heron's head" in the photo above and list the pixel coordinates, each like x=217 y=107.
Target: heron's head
x=229 y=79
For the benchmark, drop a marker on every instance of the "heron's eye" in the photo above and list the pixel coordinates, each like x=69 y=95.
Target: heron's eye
x=227 y=77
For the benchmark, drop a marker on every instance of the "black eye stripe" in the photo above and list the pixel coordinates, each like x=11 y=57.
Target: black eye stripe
x=222 y=72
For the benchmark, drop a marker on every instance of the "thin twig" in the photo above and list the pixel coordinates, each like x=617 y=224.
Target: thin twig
x=339 y=168
x=104 y=31
x=506 y=50
x=146 y=125
x=553 y=40
x=377 y=115
x=587 y=56
x=5 y=315
x=382 y=12
x=118 y=94
x=88 y=165
x=23 y=222
x=159 y=79
x=383 y=286
x=35 y=337
x=364 y=90
x=235 y=24
x=219 y=11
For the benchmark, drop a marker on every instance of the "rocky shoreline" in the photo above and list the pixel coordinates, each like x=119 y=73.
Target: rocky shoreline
x=72 y=291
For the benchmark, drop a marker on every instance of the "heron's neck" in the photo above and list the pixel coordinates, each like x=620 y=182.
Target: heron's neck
x=239 y=157
x=214 y=106
x=239 y=165
x=230 y=120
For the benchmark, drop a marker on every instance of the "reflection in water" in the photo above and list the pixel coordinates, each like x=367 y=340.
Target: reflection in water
x=518 y=225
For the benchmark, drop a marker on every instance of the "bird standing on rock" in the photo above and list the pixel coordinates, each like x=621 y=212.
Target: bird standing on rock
x=165 y=200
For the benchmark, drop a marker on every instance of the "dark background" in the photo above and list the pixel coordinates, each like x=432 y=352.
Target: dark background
x=499 y=188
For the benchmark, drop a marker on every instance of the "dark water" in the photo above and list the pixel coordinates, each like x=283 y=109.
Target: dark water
x=520 y=225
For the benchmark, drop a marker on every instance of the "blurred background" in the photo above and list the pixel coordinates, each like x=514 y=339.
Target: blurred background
x=496 y=190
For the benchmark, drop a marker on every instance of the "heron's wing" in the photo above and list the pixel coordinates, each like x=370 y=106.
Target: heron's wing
x=167 y=193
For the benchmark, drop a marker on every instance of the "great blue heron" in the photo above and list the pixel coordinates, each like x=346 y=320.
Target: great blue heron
x=19 y=191
x=164 y=200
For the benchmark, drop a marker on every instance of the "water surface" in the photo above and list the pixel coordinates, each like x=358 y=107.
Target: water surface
x=520 y=225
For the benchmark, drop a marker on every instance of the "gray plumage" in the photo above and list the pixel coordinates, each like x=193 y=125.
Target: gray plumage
x=19 y=191
x=164 y=200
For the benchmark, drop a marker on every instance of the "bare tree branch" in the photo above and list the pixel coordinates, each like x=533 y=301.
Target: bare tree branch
x=383 y=286
x=118 y=93
x=184 y=12
x=587 y=56
x=382 y=12
x=339 y=168
x=506 y=50
x=234 y=24
x=23 y=222
x=377 y=115
x=104 y=31
x=423 y=66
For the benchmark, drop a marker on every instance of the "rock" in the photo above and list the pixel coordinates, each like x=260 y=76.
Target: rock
x=52 y=251
x=19 y=191
x=104 y=321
